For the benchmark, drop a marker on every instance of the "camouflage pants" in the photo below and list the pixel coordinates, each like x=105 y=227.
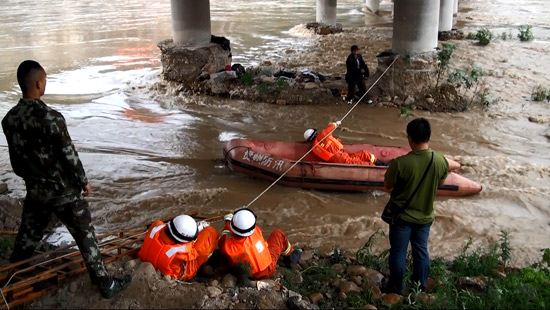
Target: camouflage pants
x=76 y=217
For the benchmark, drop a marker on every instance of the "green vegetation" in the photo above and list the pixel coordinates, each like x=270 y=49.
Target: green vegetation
x=485 y=100
x=6 y=243
x=471 y=36
x=525 y=33
x=376 y=261
x=404 y=112
x=263 y=88
x=443 y=59
x=540 y=93
x=484 y=36
x=506 y=36
x=248 y=77
x=407 y=56
x=242 y=272
x=498 y=286
x=467 y=79
x=281 y=84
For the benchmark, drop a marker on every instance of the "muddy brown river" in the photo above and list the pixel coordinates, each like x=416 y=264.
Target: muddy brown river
x=103 y=65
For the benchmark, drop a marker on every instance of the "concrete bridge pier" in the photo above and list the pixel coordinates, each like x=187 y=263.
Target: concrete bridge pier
x=373 y=5
x=455 y=7
x=193 y=53
x=415 y=37
x=446 y=15
x=325 y=12
x=191 y=22
x=415 y=26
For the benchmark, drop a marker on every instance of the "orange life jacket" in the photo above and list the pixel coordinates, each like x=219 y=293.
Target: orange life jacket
x=162 y=255
x=252 y=249
x=329 y=142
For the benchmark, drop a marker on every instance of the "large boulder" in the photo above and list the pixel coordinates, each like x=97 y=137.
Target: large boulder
x=190 y=64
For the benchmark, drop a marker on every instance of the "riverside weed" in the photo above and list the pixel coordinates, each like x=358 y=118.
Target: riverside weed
x=525 y=33
x=484 y=36
x=365 y=257
x=540 y=93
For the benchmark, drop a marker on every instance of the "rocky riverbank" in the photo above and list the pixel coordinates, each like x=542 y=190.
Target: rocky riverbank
x=339 y=279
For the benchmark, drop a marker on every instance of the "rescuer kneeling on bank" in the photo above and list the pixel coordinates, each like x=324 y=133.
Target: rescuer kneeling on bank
x=242 y=241
x=180 y=247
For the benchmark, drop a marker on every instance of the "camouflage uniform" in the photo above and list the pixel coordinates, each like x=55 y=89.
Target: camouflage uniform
x=42 y=153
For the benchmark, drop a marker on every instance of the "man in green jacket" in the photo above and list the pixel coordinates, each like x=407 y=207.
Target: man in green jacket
x=42 y=153
x=402 y=177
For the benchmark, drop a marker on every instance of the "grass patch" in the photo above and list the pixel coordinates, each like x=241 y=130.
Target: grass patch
x=313 y=279
x=242 y=271
x=248 y=77
x=263 y=88
x=281 y=84
x=376 y=261
x=527 y=288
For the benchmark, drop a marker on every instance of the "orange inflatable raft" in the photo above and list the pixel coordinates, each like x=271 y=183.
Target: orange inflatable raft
x=270 y=159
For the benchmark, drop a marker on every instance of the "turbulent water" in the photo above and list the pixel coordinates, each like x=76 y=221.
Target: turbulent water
x=103 y=67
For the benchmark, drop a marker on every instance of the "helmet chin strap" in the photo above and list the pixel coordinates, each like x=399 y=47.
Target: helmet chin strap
x=310 y=150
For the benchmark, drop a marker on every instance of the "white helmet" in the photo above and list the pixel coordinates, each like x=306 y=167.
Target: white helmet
x=243 y=222
x=310 y=134
x=183 y=228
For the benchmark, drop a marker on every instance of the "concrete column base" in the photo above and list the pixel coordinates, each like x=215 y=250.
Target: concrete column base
x=189 y=65
x=454 y=34
x=324 y=29
x=411 y=76
x=373 y=6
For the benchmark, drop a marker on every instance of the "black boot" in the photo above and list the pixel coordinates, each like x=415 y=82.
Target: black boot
x=110 y=287
x=293 y=258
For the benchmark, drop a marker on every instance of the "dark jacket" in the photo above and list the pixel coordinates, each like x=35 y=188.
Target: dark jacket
x=353 y=72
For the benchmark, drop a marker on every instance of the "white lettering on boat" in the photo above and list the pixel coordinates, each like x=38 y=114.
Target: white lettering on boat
x=279 y=164
x=263 y=159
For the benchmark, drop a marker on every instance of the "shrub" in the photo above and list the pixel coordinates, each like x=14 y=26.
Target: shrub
x=471 y=36
x=467 y=79
x=443 y=59
x=481 y=262
x=484 y=36
x=505 y=250
x=540 y=93
x=525 y=33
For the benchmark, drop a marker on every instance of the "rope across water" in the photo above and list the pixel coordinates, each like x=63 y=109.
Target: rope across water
x=310 y=150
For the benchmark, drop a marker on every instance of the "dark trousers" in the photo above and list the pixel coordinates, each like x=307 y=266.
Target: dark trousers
x=360 y=82
x=400 y=234
x=76 y=217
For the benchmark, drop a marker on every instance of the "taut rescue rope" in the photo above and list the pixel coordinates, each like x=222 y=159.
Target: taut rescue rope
x=301 y=158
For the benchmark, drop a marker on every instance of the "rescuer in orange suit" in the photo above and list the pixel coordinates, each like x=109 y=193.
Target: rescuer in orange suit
x=242 y=241
x=332 y=150
x=179 y=247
